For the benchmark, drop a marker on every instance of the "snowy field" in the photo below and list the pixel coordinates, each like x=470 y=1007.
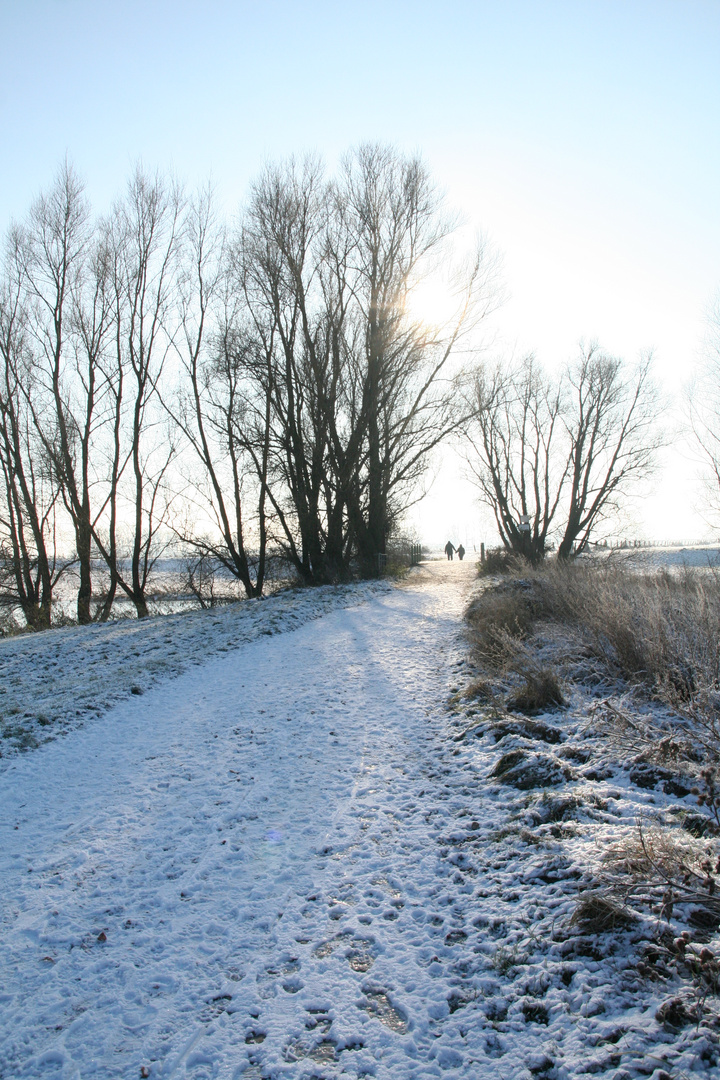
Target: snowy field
x=286 y=858
x=697 y=557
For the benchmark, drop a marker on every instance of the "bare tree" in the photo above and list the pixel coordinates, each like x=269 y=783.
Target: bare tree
x=361 y=392
x=29 y=564
x=65 y=280
x=611 y=425
x=145 y=236
x=515 y=456
x=554 y=458
x=98 y=423
x=200 y=573
x=392 y=214
x=215 y=411
x=279 y=253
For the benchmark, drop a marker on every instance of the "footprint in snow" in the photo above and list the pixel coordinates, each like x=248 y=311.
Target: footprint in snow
x=379 y=1005
x=359 y=956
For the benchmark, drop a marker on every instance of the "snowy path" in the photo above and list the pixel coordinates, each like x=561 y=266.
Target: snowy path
x=236 y=874
x=292 y=862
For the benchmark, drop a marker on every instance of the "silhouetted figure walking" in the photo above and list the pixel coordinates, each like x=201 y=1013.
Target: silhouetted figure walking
x=460 y=552
x=450 y=550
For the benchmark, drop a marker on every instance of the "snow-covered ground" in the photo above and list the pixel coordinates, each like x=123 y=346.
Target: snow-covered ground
x=288 y=861
x=56 y=681
x=698 y=557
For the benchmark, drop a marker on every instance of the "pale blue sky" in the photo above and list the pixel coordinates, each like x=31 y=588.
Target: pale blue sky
x=583 y=136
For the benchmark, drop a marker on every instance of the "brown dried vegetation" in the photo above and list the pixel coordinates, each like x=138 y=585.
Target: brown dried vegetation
x=643 y=652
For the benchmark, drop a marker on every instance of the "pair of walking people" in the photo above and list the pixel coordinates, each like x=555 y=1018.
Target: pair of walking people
x=450 y=550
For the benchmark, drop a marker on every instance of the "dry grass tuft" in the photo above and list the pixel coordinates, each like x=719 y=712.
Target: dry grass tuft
x=659 y=632
x=637 y=640
x=598 y=914
x=498 y=619
x=500 y=561
x=663 y=851
x=676 y=1014
x=658 y=629
x=479 y=690
x=650 y=852
x=540 y=692
x=662 y=868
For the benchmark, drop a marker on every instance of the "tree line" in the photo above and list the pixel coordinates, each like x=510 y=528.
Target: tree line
x=246 y=387
x=267 y=386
